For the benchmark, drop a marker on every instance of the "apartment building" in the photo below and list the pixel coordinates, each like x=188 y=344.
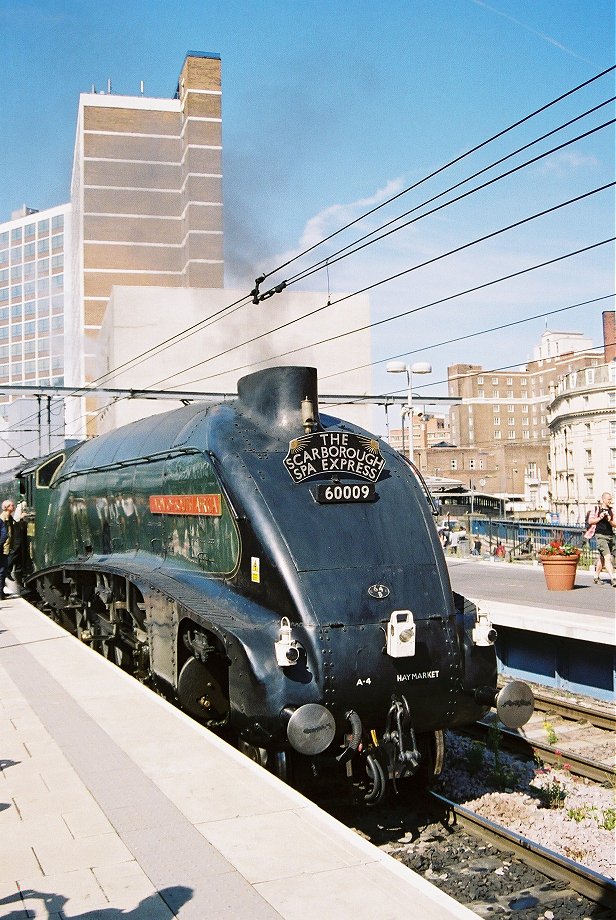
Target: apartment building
x=500 y=428
x=582 y=422
x=428 y=431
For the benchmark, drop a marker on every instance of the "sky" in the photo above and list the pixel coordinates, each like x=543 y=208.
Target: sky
x=329 y=109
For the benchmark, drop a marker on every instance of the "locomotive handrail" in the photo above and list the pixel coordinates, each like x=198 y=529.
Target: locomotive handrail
x=127 y=461
x=428 y=493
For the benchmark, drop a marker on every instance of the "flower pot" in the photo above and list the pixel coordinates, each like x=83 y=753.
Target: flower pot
x=559 y=572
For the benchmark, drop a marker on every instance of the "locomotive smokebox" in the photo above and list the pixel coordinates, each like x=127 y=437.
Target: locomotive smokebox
x=274 y=397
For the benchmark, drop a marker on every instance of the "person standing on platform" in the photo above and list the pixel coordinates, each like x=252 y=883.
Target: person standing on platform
x=6 y=536
x=603 y=519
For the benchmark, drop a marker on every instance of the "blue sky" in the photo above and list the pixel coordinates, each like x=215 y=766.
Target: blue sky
x=329 y=107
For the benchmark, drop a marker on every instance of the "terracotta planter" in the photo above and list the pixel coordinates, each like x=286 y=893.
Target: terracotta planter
x=559 y=572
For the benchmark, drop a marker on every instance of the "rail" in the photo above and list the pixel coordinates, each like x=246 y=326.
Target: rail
x=596 y=887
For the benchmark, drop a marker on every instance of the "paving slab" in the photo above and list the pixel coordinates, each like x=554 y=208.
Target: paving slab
x=116 y=804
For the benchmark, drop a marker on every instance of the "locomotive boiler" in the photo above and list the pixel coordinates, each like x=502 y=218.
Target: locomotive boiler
x=278 y=572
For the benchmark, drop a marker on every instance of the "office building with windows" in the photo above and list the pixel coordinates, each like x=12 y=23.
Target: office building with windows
x=35 y=297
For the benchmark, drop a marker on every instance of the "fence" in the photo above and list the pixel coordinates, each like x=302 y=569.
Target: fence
x=524 y=539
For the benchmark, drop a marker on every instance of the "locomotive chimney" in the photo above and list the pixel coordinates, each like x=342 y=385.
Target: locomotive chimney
x=282 y=397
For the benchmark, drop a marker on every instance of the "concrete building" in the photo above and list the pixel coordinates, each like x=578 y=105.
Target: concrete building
x=224 y=345
x=147 y=198
x=35 y=298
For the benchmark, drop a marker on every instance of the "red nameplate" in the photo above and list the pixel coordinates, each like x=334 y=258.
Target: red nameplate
x=209 y=505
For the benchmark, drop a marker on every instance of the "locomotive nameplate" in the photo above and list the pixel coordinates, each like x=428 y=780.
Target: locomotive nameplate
x=207 y=505
x=335 y=493
x=335 y=452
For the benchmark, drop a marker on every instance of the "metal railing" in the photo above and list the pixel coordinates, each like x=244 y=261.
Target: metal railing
x=524 y=539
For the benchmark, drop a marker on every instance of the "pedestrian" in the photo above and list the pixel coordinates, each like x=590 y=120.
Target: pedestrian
x=476 y=547
x=499 y=551
x=454 y=538
x=6 y=533
x=603 y=520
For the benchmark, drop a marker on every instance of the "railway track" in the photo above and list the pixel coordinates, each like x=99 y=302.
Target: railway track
x=597 y=888
x=561 y=731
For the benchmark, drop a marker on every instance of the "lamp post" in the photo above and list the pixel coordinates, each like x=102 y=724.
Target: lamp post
x=399 y=367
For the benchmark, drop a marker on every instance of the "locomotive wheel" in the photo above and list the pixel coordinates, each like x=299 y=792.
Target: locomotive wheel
x=277 y=762
x=431 y=746
x=201 y=694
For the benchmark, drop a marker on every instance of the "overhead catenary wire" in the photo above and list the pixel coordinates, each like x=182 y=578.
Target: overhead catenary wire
x=433 y=303
x=399 y=274
x=466 y=376
x=384 y=396
x=221 y=314
x=332 y=260
x=442 y=168
x=224 y=312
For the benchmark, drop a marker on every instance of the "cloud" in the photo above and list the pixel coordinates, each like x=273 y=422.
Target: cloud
x=566 y=163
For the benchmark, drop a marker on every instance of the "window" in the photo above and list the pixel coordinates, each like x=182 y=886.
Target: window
x=509 y=394
x=497 y=435
x=511 y=435
x=496 y=407
x=495 y=394
x=30 y=230
x=509 y=381
x=43 y=325
x=42 y=267
x=57 y=242
x=16 y=235
x=481 y=394
x=510 y=420
x=497 y=419
x=588 y=457
x=57 y=222
x=480 y=380
x=43 y=227
x=16 y=311
x=590 y=487
x=494 y=381
x=43 y=245
x=510 y=408
x=525 y=422
x=587 y=429
x=526 y=435
x=29 y=250
x=29 y=328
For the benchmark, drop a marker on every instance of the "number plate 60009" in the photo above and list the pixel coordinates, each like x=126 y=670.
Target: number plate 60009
x=338 y=492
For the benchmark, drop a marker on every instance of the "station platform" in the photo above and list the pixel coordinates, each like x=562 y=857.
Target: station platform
x=114 y=804
x=561 y=639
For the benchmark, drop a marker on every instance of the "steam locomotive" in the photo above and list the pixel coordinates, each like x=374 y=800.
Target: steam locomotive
x=278 y=572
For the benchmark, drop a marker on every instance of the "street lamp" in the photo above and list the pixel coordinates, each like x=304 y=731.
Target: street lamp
x=399 y=367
